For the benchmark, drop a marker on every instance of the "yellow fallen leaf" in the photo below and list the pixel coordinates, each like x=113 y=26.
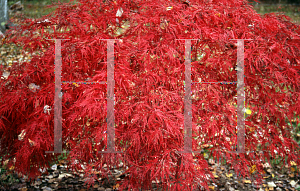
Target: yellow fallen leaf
x=211 y=187
x=205 y=155
x=228 y=175
x=293 y=163
x=248 y=111
x=273 y=175
x=12 y=168
x=247 y=181
x=169 y=8
x=293 y=169
x=253 y=168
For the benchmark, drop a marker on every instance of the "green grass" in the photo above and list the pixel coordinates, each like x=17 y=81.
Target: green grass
x=293 y=11
x=37 y=8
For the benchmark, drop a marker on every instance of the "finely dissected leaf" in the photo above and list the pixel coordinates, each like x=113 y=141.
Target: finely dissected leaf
x=149 y=75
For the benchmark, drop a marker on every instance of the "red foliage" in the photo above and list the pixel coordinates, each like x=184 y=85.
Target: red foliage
x=149 y=88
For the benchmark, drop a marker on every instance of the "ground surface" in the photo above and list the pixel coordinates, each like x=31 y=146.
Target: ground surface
x=59 y=178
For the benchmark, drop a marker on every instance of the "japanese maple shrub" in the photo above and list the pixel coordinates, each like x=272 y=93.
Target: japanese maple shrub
x=149 y=73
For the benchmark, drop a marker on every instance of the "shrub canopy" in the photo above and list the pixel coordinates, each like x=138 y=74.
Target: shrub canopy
x=149 y=88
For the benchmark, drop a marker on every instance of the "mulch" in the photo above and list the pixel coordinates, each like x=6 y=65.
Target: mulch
x=61 y=178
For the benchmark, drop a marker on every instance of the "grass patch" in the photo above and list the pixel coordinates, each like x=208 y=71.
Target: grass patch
x=37 y=8
x=293 y=11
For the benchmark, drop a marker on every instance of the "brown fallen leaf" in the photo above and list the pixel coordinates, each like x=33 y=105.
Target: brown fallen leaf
x=291 y=175
x=293 y=169
x=116 y=186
